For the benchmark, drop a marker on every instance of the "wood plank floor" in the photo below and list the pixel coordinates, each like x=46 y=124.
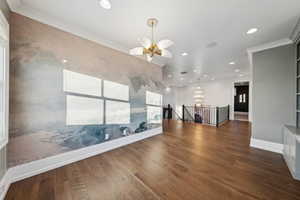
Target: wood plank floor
x=188 y=161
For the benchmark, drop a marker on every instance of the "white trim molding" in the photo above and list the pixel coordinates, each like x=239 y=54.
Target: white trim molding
x=266 y=145
x=270 y=45
x=30 y=169
x=4 y=43
x=241 y=113
x=4 y=184
x=295 y=36
x=14 y=4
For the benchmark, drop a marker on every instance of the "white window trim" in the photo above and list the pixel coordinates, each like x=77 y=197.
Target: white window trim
x=5 y=42
x=154 y=105
x=106 y=110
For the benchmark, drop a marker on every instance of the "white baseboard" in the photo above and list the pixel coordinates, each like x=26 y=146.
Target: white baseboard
x=4 y=184
x=266 y=145
x=30 y=169
x=241 y=113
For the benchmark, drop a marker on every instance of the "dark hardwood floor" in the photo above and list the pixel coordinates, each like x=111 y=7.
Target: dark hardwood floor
x=188 y=161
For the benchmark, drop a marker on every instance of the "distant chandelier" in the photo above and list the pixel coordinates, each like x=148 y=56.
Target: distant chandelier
x=150 y=48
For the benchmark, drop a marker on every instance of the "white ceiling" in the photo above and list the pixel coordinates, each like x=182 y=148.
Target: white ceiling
x=193 y=25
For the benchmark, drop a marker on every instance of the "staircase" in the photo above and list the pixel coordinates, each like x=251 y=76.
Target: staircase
x=209 y=115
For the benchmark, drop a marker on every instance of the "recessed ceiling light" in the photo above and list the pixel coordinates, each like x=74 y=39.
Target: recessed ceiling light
x=212 y=79
x=105 y=4
x=205 y=75
x=191 y=81
x=170 y=76
x=198 y=92
x=181 y=79
x=184 y=54
x=232 y=63
x=237 y=70
x=241 y=75
x=64 y=61
x=196 y=70
x=198 y=88
x=198 y=96
x=252 y=30
x=168 y=89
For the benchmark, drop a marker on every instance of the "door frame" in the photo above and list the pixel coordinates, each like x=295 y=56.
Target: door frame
x=4 y=42
x=249 y=80
x=243 y=107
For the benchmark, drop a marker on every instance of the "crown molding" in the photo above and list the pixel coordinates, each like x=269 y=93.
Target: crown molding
x=18 y=7
x=270 y=45
x=14 y=4
x=295 y=36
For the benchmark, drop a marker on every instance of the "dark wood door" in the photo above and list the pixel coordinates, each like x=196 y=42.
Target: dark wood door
x=241 y=99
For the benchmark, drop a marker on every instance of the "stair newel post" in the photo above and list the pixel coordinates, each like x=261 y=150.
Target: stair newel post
x=228 y=112
x=217 y=116
x=182 y=112
x=169 y=112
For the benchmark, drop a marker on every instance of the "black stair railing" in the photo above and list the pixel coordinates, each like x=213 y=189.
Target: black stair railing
x=176 y=116
x=222 y=115
x=206 y=115
x=210 y=115
x=188 y=113
x=170 y=113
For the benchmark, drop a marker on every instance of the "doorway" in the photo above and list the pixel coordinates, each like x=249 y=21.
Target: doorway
x=241 y=101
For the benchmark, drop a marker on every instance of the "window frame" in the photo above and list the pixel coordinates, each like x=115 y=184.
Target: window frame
x=100 y=101
x=153 y=105
x=124 y=87
x=102 y=97
x=97 y=93
x=116 y=101
x=4 y=42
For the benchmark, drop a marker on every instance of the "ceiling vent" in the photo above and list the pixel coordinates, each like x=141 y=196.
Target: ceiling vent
x=211 y=45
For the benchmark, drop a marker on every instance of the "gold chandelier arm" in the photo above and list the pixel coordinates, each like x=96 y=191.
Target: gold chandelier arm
x=152 y=33
x=150 y=48
x=152 y=22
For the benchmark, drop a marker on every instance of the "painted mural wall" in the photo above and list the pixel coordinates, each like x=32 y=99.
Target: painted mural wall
x=68 y=93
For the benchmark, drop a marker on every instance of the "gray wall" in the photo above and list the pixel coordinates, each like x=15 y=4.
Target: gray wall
x=4 y=8
x=2 y=162
x=274 y=88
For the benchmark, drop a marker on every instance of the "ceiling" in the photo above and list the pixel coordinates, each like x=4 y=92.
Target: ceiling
x=212 y=32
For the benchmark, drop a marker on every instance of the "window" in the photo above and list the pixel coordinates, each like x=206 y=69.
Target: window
x=84 y=110
x=154 y=110
x=153 y=98
x=4 y=63
x=154 y=115
x=85 y=103
x=81 y=84
x=117 y=91
x=117 y=112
